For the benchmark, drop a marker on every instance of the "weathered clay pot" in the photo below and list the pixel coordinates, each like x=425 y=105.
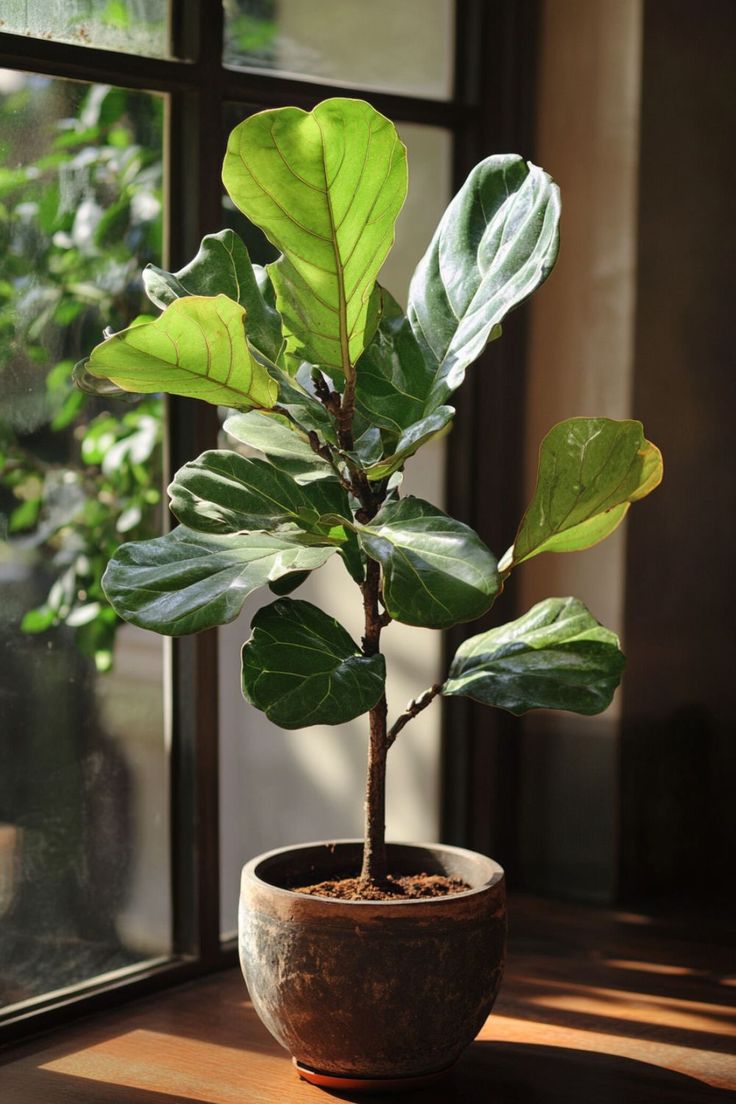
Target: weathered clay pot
x=366 y=989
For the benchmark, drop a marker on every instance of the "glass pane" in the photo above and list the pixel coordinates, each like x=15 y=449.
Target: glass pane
x=131 y=26
x=398 y=47
x=84 y=864
x=279 y=787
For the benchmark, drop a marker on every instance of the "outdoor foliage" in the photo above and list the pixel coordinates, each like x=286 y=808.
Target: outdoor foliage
x=337 y=389
x=78 y=473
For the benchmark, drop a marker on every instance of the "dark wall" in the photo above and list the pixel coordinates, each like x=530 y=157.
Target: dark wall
x=679 y=730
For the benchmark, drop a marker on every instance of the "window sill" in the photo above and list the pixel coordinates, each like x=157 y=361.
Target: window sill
x=596 y=1006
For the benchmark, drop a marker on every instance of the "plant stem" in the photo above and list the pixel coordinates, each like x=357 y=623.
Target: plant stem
x=413 y=708
x=375 y=868
x=345 y=414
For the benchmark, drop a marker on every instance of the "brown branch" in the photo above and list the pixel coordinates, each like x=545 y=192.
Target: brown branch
x=375 y=866
x=329 y=399
x=414 y=707
x=345 y=415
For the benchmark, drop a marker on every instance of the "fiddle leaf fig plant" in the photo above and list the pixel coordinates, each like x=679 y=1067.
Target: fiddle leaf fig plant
x=331 y=389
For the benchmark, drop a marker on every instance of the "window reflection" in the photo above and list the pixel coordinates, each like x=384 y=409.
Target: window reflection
x=396 y=47
x=84 y=867
x=131 y=26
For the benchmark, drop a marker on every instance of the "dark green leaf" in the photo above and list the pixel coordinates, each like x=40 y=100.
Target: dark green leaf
x=222 y=267
x=394 y=378
x=300 y=667
x=411 y=440
x=369 y=447
x=289 y=583
x=186 y=581
x=590 y=471
x=437 y=571
x=556 y=656
x=496 y=243
x=224 y=492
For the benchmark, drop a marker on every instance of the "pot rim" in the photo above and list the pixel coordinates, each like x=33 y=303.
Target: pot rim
x=249 y=873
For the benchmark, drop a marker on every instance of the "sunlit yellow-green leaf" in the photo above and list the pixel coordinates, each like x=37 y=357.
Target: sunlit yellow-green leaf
x=590 y=471
x=197 y=348
x=325 y=187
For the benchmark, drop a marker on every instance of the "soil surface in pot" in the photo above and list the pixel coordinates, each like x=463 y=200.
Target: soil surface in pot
x=406 y=886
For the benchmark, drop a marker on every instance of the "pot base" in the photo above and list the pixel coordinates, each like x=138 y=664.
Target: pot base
x=367 y=1084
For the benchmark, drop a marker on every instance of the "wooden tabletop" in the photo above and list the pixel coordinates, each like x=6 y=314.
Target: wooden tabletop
x=597 y=1008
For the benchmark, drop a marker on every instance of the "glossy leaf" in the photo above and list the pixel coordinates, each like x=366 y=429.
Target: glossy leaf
x=224 y=492
x=495 y=244
x=188 y=581
x=300 y=667
x=436 y=571
x=196 y=348
x=289 y=583
x=325 y=187
x=394 y=377
x=222 y=266
x=590 y=471
x=556 y=656
x=411 y=440
x=281 y=441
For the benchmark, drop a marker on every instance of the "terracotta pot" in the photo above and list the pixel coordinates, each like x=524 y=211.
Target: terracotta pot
x=372 y=989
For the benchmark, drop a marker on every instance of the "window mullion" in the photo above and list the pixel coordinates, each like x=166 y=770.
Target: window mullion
x=93 y=65
x=194 y=145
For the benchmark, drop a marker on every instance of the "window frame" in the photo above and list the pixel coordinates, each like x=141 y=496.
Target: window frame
x=490 y=109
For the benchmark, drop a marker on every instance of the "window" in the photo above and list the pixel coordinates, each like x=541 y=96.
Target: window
x=126 y=805
x=85 y=847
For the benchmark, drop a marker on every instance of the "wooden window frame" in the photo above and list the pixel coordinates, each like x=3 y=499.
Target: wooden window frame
x=490 y=110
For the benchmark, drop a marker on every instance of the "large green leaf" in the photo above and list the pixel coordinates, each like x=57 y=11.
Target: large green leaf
x=197 y=348
x=325 y=187
x=394 y=377
x=302 y=668
x=496 y=243
x=222 y=267
x=187 y=581
x=224 y=492
x=394 y=384
x=285 y=445
x=556 y=656
x=436 y=571
x=590 y=471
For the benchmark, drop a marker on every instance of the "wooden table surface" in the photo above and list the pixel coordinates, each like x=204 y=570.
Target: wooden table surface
x=597 y=1008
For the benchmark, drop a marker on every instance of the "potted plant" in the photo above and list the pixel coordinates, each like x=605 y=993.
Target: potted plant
x=371 y=963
